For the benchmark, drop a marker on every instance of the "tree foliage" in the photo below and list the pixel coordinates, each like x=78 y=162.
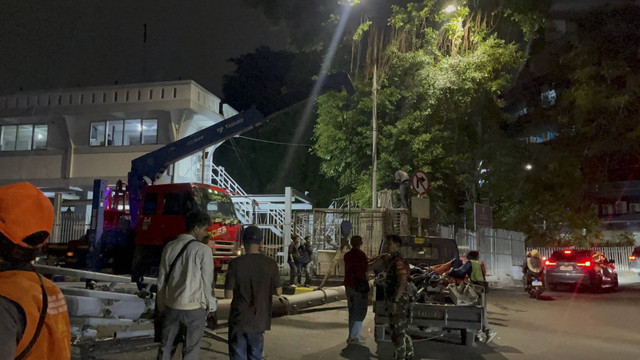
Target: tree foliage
x=438 y=105
x=595 y=73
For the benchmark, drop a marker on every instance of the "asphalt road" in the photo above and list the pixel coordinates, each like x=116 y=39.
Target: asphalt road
x=563 y=325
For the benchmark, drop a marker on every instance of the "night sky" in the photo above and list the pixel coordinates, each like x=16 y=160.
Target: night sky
x=71 y=43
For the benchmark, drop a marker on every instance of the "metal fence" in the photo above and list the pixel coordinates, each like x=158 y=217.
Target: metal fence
x=502 y=251
x=619 y=254
x=72 y=226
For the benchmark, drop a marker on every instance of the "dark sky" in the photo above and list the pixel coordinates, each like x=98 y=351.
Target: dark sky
x=68 y=43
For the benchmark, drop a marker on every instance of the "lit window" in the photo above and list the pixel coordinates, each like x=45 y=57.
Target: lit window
x=8 y=137
x=132 y=130
x=114 y=133
x=548 y=98
x=97 y=135
x=40 y=137
x=124 y=132
x=23 y=137
x=150 y=131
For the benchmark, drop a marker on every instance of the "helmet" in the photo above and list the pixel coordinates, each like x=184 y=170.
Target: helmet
x=535 y=253
x=252 y=235
x=26 y=215
x=400 y=176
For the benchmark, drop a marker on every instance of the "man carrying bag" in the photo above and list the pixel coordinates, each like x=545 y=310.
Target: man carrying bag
x=185 y=287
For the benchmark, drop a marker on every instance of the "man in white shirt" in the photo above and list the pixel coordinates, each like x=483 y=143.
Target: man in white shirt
x=185 y=293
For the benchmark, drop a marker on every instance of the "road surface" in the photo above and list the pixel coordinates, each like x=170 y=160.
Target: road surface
x=564 y=325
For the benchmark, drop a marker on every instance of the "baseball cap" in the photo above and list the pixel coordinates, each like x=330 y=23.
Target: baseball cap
x=252 y=235
x=26 y=215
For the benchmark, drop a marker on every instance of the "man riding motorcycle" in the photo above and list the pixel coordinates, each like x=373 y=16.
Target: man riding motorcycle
x=532 y=268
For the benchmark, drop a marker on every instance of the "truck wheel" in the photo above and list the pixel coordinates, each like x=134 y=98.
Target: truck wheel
x=468 y=337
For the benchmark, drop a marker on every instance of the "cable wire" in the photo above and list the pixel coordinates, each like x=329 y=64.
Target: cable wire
x=274 y=142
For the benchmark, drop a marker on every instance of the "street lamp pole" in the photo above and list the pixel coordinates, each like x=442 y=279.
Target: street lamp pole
x=374 y=157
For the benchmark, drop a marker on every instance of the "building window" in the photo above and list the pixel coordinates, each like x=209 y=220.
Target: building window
x=150 y=131
x=124 y=132
x=23 y=137
x=40 y=137
x=548 y=98
x=114 y=132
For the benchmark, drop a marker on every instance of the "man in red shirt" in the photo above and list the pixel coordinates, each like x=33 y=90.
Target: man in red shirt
x=356 y=265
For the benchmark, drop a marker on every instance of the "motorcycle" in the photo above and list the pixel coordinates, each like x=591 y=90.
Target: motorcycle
x=536 y=287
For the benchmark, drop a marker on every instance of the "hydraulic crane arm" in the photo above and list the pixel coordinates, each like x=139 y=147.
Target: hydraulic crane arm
x=148 y=168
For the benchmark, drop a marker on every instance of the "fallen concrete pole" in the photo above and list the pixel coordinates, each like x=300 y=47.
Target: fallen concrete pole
x=292 y=304
x=91 y=308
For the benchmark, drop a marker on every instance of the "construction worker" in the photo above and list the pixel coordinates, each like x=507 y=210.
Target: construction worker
x=398 y=301
x=35 y=321
x=478 y=277
x=404 y=188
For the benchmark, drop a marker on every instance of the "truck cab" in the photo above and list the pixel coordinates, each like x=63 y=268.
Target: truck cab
x=161 y=219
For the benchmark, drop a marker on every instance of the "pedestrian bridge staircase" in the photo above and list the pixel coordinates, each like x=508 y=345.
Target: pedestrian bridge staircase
x=250 y=209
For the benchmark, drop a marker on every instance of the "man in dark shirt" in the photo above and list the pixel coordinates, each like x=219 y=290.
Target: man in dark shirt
x=293 y=259
x=306 y=255
x=251 y=281
x=356 y=282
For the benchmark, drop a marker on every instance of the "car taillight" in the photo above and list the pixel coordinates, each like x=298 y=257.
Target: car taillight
x=550 y=263
x=584 y=264
x=632 y=257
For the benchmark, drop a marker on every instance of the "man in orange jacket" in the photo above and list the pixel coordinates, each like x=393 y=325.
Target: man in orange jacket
x=34 y=322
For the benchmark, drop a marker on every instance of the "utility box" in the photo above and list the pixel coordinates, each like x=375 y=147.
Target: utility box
x=325 y=260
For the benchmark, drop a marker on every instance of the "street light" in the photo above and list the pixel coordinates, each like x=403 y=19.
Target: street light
x=450 y=8
x=528 y=167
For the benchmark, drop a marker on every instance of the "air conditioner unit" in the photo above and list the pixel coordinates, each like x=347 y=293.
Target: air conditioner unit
x=634 y=207
x=607 y=209
x=621 y=207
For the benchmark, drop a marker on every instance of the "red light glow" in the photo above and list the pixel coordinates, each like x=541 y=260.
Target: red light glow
x=632 y=257
x=549 y=263
x=585 y=264
x=567 y=252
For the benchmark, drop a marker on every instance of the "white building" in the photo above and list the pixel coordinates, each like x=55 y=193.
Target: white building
x=61 y=140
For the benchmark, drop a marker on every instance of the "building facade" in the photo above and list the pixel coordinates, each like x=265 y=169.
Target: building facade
x=61 y=140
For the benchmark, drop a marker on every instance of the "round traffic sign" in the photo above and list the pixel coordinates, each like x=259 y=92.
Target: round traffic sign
x=420 y=182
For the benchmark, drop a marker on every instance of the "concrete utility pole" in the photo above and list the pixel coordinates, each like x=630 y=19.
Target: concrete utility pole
x=374 y=157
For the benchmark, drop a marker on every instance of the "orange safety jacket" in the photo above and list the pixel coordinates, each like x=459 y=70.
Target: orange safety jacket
x=25 y=289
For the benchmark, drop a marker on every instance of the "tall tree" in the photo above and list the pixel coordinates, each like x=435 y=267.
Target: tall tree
x=441 y=75
x=593 y=74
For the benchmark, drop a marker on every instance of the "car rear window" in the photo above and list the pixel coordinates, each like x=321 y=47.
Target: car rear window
x=570 y=257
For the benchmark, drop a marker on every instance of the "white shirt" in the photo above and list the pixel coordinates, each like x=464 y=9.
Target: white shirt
x=191 y=283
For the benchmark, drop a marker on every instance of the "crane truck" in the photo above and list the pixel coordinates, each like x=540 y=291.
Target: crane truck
x=156 y=211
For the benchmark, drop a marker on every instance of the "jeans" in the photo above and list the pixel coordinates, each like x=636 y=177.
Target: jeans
x=245 y=345
x=304 y=270
x=294 y=270
x=357 y=304
x=194 y=321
